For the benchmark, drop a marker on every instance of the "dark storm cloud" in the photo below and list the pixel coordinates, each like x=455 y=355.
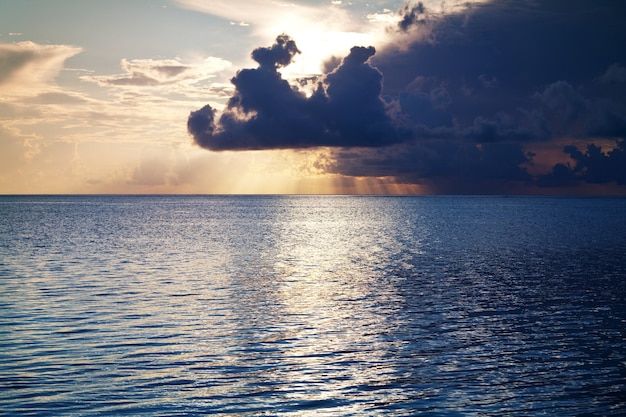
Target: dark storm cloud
x=412 y=15
x=431 y=161
x=593 y=166
x=449 y=159
x=278 y=55
x=563 y=111
x=463 y=100
x=266 y=112
x=526 y=45
x=498 y=76
x=494 y=58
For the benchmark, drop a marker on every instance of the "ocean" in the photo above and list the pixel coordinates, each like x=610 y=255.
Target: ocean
x=312 y=305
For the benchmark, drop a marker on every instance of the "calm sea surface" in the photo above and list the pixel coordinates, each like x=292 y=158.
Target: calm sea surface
x=296 y=306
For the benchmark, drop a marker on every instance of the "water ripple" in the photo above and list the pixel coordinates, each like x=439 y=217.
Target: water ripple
x=299 y=306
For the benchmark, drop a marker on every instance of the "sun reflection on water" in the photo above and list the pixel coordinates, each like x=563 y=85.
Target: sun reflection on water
x=326 y=265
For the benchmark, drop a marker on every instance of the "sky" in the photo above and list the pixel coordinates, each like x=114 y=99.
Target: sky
x=313 y=97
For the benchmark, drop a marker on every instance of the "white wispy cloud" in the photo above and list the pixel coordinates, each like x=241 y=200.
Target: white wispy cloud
x=321 y=31
x=328 y=29
x=153 y=73
x=39 y=118
x=28 y=68
x=115 y=132
x=255 y=11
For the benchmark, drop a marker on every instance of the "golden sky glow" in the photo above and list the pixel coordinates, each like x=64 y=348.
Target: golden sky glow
x=69 y=124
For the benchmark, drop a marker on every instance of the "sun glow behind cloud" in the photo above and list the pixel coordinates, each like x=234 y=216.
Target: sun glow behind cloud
x=122 y=132
x=320 y=32
x=150 y=89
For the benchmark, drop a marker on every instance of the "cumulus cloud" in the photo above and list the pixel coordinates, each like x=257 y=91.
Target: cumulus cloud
x=566 y=112
x=266 y=112
x=152 y=73
x=412 y=15
x=593 y=165
x=27 y=67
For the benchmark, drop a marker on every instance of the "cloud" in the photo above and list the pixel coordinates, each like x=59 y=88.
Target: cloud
x=616 y=74
x=322 y=30
x=463 y=99
x=487 y=80
x=27 y=67
x=566 y=112
x=412 y=15
x=592 y=166
x=263 y=13
x=250 y=11
x=60 y=98
x=518 y=43
x=153 y=73
x=152 y=170
x=45 y=117
x=456 y=163
x=266 y=112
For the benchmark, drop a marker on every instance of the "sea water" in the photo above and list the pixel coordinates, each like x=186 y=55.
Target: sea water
x=312 y=305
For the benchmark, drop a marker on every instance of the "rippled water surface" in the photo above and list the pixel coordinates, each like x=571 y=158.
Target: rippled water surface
x=294 y=306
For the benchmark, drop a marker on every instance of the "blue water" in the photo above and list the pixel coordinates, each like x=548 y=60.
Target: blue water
x=296 y=306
